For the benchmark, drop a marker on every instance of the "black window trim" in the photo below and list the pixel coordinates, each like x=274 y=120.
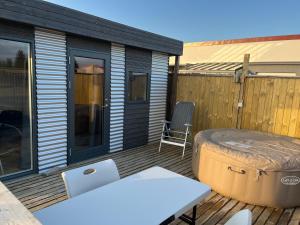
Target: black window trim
x=33 y=108
x=147 y=87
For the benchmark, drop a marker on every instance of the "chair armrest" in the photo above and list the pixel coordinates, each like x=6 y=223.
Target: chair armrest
x=165 y=121
x=187 y=125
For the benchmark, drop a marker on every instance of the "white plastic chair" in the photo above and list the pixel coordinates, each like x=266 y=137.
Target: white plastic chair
x=243 y=217
x=86 y=178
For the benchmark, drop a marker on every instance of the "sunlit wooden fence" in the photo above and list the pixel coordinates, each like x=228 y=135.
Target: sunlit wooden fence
x=271 y=104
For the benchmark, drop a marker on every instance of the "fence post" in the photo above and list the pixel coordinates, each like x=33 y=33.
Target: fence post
x=241 y=92
x=174 y=85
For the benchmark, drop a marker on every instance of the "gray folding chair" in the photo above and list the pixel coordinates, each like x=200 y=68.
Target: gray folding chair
x=177 y=131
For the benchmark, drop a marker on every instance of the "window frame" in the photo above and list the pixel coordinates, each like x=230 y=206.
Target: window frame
x=128 y=87
x=32 y=108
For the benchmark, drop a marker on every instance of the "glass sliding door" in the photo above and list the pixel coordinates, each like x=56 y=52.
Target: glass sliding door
x=89 y=106
x=15 y=107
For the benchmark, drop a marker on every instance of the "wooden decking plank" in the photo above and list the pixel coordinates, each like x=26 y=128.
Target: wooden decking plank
x=239 y=206
x=147 y=163
x=124 y=158
x=213 y=210
x=256 y=212
x=151 y=162
x=58 y=179
x=33 y=196
x=54 y=201
x=264 y=216
x=43 y=180
x=119 y=154
x=286 y=216
x=221 y=213
x=206 y=210
x=44 y=199
x=295 y=219
x=52 y=184
x=274 y=217
x=202 y=207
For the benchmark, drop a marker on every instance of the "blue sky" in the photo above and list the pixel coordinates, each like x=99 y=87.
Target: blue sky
x=200 y=20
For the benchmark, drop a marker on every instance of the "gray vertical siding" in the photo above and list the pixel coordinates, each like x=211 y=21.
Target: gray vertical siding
x=117 y=86
x=158 y=94
x=51 y=90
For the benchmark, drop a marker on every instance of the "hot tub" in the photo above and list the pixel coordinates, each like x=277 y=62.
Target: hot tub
x=253 y=167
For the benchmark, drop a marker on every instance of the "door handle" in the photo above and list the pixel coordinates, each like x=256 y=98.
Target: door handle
x=105 y=106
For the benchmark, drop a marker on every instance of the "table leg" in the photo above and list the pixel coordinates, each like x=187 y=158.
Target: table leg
x=168 y=221
x=190 y=220
x=194 y=215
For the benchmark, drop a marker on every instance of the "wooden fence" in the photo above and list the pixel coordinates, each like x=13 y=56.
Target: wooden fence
x=271 y=104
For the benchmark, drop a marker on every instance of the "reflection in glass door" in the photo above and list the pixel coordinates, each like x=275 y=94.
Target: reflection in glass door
x=15 y=113
x=88 y=106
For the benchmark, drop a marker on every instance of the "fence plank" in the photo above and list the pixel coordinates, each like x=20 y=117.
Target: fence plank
x=215 y=99
x=270 y=104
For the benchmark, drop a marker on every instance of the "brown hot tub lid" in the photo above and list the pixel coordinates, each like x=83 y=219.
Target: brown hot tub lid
x=255 y=149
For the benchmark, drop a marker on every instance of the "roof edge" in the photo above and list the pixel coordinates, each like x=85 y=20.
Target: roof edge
x=246 y=40
x=48 y=15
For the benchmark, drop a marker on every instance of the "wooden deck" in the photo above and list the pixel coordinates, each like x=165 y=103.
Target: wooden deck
x=38 y=191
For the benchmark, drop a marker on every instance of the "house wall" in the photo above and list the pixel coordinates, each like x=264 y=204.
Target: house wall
x=117 y=102
x=130 y=124
x=51 y=97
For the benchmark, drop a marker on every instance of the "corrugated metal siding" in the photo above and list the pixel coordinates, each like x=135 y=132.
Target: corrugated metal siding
x=51 y=90
x=158 y=94
x=117 y=85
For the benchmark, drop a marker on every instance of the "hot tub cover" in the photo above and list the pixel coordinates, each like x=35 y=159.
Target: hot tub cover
x=256 y=149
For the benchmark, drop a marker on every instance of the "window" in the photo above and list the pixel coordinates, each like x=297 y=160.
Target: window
x=15 y=113
x=137 y=87
x=89 y=102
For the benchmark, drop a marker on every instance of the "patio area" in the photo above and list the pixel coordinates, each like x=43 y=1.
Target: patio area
x=39 y=191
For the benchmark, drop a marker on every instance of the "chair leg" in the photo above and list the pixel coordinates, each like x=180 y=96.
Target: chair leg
x=1 y=167
x=183 y=152
x=159 y=146
x=185 y=138
x=162 y=136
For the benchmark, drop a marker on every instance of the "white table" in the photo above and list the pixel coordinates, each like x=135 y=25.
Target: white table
x=150 y=197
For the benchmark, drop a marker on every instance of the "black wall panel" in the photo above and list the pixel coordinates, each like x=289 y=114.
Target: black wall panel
x=17 y=31
x=136 y=114
x=88 y=44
